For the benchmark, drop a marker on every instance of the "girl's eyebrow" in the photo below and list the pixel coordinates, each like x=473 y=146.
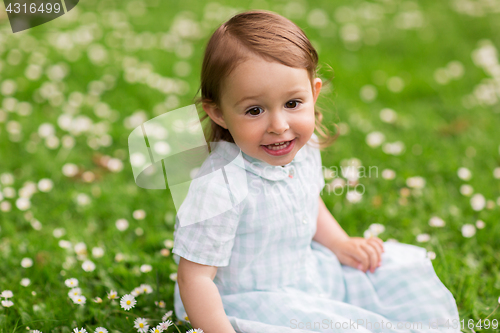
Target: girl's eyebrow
x=291 y=92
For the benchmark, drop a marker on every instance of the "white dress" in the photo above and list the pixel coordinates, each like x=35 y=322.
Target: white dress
x=272 y=277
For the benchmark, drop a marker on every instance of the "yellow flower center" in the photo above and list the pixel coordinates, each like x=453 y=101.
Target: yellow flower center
x=141 y=325
x=128 y=302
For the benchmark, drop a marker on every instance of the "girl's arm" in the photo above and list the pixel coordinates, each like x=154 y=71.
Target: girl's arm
x=201 y=298
x=356 y=252
x=328 y=231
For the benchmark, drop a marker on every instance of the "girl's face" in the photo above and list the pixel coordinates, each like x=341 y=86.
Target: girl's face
x=264 y=103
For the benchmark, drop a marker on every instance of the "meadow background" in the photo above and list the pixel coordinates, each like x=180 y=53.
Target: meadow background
x=414 y=89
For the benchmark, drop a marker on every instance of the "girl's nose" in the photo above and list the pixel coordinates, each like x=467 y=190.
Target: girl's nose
x=278 y=123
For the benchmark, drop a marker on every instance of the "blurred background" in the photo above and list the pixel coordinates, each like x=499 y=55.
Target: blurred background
x=414 y=87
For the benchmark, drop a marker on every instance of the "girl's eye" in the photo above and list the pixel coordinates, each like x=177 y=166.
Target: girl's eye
x=293 y=102
x=255 y=111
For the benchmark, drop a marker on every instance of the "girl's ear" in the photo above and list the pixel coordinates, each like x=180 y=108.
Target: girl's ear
x=317 y=87
x=215 y=114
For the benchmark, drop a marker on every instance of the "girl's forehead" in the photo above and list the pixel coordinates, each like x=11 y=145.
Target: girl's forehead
x=265 y=76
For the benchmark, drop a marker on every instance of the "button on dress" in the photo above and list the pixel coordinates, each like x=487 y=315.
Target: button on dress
x=272 y=277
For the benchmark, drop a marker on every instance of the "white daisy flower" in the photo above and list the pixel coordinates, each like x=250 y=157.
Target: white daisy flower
x=128 y=302
x=368 y=233
x=97 y=252
x=139 y=214
x=121 y=224
x=328 y=173
x=375 y=139
x=141 y=325
x=5 y=206
x=82 y=199
x=146 y=288
x=464 y=174
x=6 y=294
x=69 y=170
x=388 y=174
x=478 y=202
x=161 y=304
x=436 y=222
x=156 y=329
x=353 y=196
x=10 y=192
x=25 y=282
x=35 y=331
x=167 y=315
x=337 y=183
x=88 y=266
x=173 y=276
x=195 y=330
x=80 y=248
x=431 y=255
x=7 y=304
x=79 y=299
x=23 y=204
x=100 y=330
x=490 y=204
x=65 y=244
x=119 y=257
x=36 y=224
x=136 y=292
x=496 y=173
x=376 y=228
x=422 y=238
x=112 y=294
x=81 y=330
x=480 y=224
x=26 y=262
x=166 y=324
x=388 y=115
x=466 y=190
x=71 y=283
x=74 y=292
x=146 y=268
x=58 y=232
x=393 y=148
x=7 y=178
x=45 y=185
x=115 y=165
x=415 y=182
x=468 y=230
x=97 y=300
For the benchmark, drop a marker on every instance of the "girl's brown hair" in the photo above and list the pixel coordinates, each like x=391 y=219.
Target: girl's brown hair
x=267 y=34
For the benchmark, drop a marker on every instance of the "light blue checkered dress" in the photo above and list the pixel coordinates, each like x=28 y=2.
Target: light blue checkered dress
x=272 y=277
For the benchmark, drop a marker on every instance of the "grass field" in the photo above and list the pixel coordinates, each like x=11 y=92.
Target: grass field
x=415 y=92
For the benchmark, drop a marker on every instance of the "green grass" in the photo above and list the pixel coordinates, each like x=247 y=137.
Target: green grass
x=440 y=134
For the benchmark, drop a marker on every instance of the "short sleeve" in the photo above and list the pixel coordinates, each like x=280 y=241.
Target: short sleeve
x=317 y=166
x=208 y=242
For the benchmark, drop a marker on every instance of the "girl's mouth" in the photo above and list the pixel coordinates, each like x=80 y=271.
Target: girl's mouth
x=279 y=149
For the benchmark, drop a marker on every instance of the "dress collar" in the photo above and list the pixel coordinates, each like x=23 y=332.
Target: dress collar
x=229 y=151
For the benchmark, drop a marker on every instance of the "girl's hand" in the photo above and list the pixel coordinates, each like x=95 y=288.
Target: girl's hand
x=360 y=253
